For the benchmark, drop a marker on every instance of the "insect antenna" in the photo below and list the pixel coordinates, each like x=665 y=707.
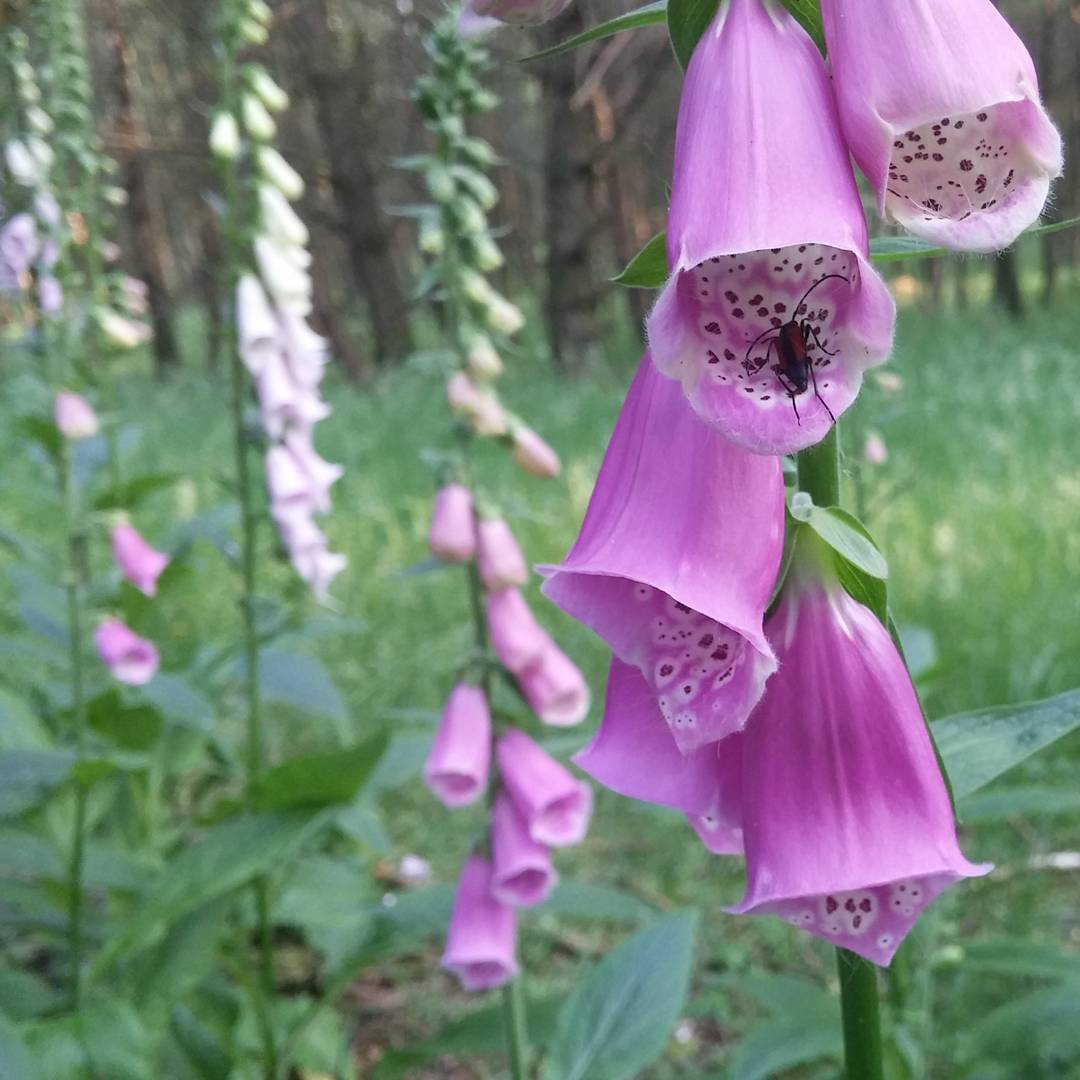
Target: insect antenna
x=839 y=277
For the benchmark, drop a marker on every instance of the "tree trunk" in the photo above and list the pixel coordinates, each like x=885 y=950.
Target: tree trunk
x=148 y=246
x=341 y=89
x=1007 y=284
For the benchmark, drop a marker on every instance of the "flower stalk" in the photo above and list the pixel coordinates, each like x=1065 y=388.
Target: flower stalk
x=819 y=476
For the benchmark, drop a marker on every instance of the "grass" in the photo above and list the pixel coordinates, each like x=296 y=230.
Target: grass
x=976 y=509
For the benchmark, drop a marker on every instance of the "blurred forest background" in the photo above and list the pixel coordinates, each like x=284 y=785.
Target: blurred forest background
x=586 y=140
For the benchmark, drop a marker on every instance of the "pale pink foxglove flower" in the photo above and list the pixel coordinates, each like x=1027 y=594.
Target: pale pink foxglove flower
x=847 y=823
x=940 y=107
x=283 y=402
x=556 y=806
x=296 y=475
x=481 y=941
x=257 y=325
x=452 y=535
x=523 y=875
x=754 y=245
x=532 y=453
x=499 y=559
x=130 y=658
x=676 y=561
x=555 y=688
x=517 y=638
x=141 y=564
x=73 y=416
x=457 y=766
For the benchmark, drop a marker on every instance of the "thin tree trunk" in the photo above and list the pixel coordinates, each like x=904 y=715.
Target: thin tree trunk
x=1007 y=283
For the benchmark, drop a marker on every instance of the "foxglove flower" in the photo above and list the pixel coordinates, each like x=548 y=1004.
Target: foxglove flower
x=555 y=805
x=481 y=940
x=766 y=227
x=532 y=453
x=633 y=755
x=452 y=536
x=283 y=403
x=848 y=828
x=19 y=245
x=940 y=107
x=522 y=872
x=297 y=474
x=257 y=325
x=73 y=416
x=498 y=556
x=141 y=564
x=676 y=561
x=130 y=658
x=517 y=638
x=554 y=688
x=457 y=767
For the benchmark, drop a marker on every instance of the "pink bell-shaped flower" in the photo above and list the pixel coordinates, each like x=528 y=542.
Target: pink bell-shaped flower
x=772 y=311
x=523 y=875
x=848 y=828
x=130 y=658
x=940 y=107
x=73 y=416
x=138 y=561
x=555 y=688
x=517 y=638
x=481 y=941
x=457 y=766
x=452 y=536
x=533 y=454
x=257 y=326
x=498 y=556
x=676 y=561
x=556 y=806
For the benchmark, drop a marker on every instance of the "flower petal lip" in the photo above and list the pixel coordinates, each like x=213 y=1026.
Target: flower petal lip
x=676 y=560
x=522 y=872
x=848 y=827
x=940 y=107
x=764 y=205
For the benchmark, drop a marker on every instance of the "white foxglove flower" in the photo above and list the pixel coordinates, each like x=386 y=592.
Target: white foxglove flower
x=258 y=122
x=281 y=220
x=280 y=173
x=225 y=136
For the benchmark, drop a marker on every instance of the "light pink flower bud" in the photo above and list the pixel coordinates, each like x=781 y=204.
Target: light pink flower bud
x=74 y=417
x=457 y=766
x=484 y=363
x=138 y=561
x=533 y=454
x=481 y=940
x=555 y=804
x=480 y=408
x=498 y=557
x=452 y=536
x=555 y=688
x=130 y=658
x=523 y=875
x=516 y=636
x=875 y=450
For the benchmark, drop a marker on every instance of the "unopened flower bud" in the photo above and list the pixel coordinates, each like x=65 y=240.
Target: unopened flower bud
x=440 y=183
x=254 y=32
x=431 y=240
x=225 y=136
x=73 y=416
x=486 y=253
x=281 y=220
x=502 y=316
x=484 y=363
x=258 y=122
x=280 y=173
x=268 y=91
x=533 y=454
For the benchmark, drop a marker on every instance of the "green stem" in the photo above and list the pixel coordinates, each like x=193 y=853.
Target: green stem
x=78 y=696
x=517 y=1042
x=819 y=477
x=254 y=753
x=862 y=1024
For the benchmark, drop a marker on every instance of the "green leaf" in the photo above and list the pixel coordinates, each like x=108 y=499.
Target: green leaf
x=1037 y=1035
x=129 y=494
x=648 y=269
x=895 y=248
x=301 y=681
x=846 y=535
x=648 y=15
x=1021 y=957
x=15 y=1059
x=24 y=995
x=27 y=856
x=1000 y=804
x=979 y=746
x=585 y=900
x=687 y=20
x=131 y=725
x=106 y=1039
x=790 y=996
x=319 y=780
x=226 y=858
x=28 y=776
x=773 y=1047
x=42 y=431
x=618 y=1020
x=180 y=702
x=808 y=13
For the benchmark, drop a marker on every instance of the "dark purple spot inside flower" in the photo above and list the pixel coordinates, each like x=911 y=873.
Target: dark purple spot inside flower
x=966 y=166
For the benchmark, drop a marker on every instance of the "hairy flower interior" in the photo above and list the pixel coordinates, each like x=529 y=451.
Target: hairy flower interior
x=956 y=167
x=743 y=300
x=689 y=659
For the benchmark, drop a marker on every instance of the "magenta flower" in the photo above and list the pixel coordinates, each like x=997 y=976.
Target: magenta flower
x=940 y=107
x=452 y=536
x=848 y=828
x=555 y=688
x=556 y=806
x=457 y=766
x=633 y=754
x=523 y=875
x=517 y=638
x=481 y=940
x=130 y=658
x=141 y=564
x=73 y=416
x=676 y=561
x=765 y=231
x=498 y=556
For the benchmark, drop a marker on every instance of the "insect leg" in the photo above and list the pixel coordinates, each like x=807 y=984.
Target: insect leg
x=809 y=331
x=781 y=378
x=817 y=394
